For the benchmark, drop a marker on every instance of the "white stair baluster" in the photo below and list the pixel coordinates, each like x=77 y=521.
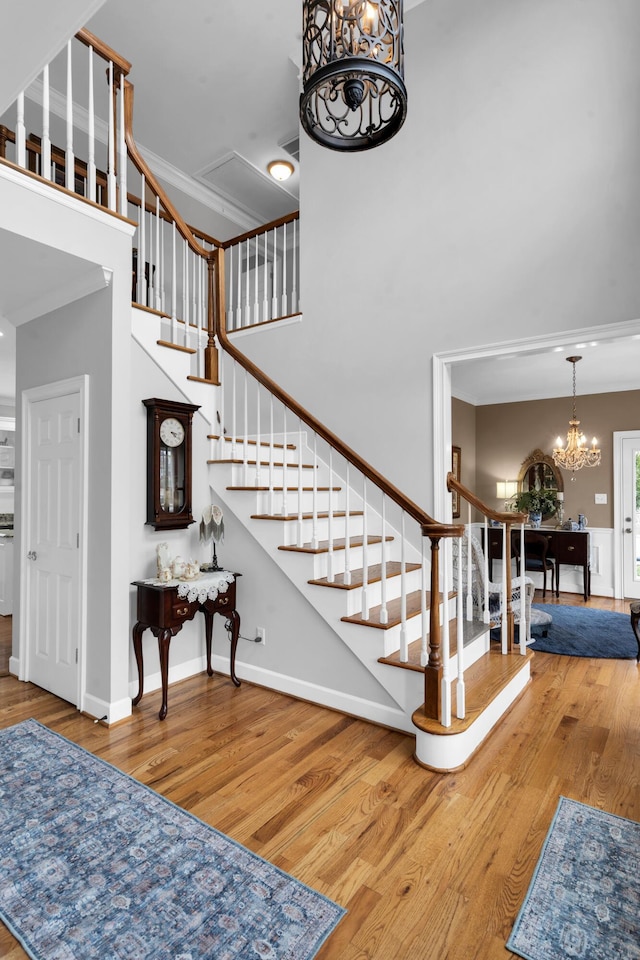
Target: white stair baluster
x=230 y=287
x=162 y=227
x=222 y=370
x=185 y=290
x=142 y=249
x=258 y=438
x=69 y=160
x=404 y=648
x=283 y=311
x=330 y=564
x=293 y=306
x=45 y=144
x=174 y=271
x=274 y=285
x=111 y=145
x=245 y=442
x=271 y=457
x=239 y=287
x=384 y=613
x=347 y=538
x=265 y=280
x=234 y=410
x=194 y=297
x=246 y=319
x=122 y=152
x=21 y=133
x=460 y=687
x=314 y=534
x=91 y=135
x=365 y=552
x=445 y=718
x=424 y=626
x=256 y=304
x=139 y=256
x=300 y=485
x=156 y=283
x=284 y=458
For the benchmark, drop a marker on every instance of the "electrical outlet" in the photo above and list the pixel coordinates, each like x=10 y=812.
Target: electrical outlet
x=261 y=634
x=601 y=498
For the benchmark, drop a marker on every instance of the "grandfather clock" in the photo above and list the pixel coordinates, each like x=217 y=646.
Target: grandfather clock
x=169 y=463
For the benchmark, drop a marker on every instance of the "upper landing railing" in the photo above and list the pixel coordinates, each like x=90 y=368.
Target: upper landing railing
x=179 y=274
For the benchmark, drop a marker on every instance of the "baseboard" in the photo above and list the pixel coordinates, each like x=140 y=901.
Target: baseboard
x=378 y=713
x=14 y=666
x=109 y=712
x=182 y=671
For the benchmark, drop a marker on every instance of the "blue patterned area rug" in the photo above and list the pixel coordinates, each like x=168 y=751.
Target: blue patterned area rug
x=585 y=632
x=584 y=898
x=96 y=866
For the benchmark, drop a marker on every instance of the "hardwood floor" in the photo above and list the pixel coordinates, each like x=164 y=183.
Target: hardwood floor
x=429 y=866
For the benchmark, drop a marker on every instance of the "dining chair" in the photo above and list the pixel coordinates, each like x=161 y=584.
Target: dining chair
x=536 y=546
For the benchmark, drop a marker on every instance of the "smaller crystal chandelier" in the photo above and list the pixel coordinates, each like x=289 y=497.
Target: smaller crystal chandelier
x=576 y=454
x=353 y=95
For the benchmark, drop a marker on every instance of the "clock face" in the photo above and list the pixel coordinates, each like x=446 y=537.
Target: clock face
x=171 y=432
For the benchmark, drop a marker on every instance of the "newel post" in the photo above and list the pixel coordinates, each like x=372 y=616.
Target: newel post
x=433 y=669
x=215 y=311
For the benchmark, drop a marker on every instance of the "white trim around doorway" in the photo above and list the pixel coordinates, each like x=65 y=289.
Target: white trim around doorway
x=48 y=391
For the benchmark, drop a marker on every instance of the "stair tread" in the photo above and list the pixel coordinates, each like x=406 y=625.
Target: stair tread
x=175 y=346
x=212 y=383
x=305 y=516
x=289 y=489
x=338 y=544
x=263 y=443
x=414 y=608
x=471 y=630
x=484 y=681
x=394 y=569
x=263 y=463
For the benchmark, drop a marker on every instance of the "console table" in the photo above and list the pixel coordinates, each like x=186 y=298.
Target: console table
x=565 y=546
x=164 y=611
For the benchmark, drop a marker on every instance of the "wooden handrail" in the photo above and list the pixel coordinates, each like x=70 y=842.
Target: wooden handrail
x=90 y=40
x=168 y=218
x=272 y=225
x=429 y=526
x=502 y=517
x=141 y=165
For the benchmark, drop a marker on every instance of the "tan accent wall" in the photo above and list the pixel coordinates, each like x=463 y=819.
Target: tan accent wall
x=506 y=433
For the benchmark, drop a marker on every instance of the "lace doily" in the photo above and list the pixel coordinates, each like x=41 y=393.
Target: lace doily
x=207 y=587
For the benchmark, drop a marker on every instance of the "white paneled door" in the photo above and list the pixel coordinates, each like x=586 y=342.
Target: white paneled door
x=631 y=518
x=53 y=568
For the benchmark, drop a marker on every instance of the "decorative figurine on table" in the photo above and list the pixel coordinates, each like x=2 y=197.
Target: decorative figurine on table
x=212 y=528
x=163 y=562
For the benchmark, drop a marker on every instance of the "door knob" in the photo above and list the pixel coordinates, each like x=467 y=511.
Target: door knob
x=628 y=530
x=32 y=555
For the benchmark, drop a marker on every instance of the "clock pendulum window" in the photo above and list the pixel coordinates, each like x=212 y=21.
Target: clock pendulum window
x=169 y=463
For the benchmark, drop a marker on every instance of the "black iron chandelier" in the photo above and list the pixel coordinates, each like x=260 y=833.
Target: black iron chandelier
x=353 y=95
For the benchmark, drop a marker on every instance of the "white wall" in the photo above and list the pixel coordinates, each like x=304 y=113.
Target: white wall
x=507 y=203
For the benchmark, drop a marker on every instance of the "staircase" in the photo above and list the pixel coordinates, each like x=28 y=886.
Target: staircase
x=373 y=564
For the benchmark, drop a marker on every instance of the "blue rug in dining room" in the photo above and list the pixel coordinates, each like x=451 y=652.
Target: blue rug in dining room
x=584 y=898
x=96 y=866
x=585 y=632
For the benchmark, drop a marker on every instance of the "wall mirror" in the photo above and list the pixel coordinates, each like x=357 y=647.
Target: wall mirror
x=539 y=472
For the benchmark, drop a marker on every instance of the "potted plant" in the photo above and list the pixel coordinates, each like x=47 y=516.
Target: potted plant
x=537 y=503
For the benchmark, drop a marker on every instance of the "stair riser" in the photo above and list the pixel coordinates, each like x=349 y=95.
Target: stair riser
x=292 y=536
x=355 y=598
x=280 y=476
x=276 y=502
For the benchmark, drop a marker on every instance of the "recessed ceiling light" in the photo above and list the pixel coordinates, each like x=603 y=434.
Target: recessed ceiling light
x=280 y=169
